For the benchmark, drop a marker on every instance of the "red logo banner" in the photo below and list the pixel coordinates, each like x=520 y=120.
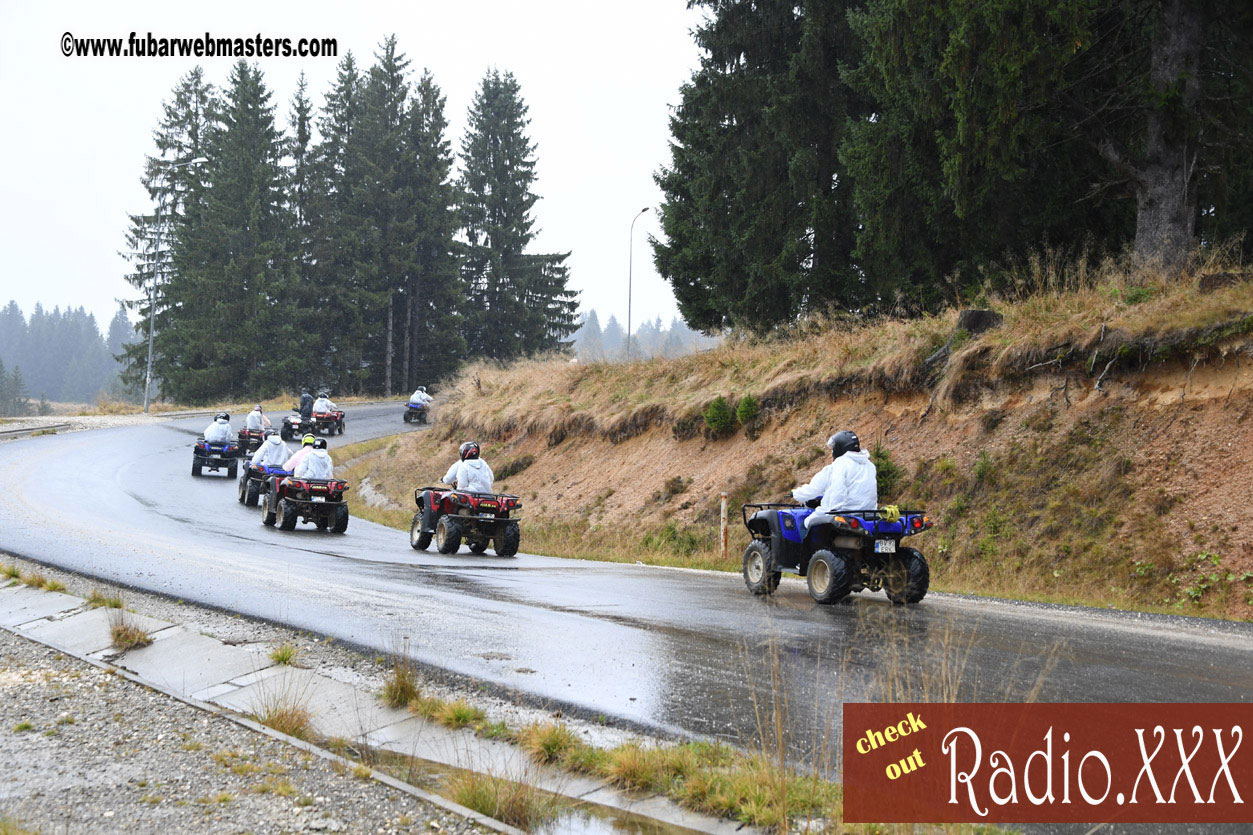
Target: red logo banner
x=1045 y=763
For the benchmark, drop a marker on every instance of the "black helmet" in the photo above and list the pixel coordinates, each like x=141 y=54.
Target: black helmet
x=842 y=442
x=470 y=449
x=222 y=416
x=320 y=443
x=421 y=388
x=267 y=434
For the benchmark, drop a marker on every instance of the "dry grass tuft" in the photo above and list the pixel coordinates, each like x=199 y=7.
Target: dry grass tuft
x=518 y=804
x=34 y=579
x=285 y=712
x=125 y=633
x=459 y=714
x=98 y=599
x=548 y=742
x=401 y=688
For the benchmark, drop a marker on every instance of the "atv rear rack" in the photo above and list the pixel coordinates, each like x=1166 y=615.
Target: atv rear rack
x=875 y=514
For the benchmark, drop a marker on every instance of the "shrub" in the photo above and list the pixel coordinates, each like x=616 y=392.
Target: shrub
x=889 y=473
x=126 y=634
x=747 y=410
x=719 y=419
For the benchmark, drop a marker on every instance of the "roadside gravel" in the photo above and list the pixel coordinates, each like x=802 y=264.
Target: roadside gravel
x=87 y=751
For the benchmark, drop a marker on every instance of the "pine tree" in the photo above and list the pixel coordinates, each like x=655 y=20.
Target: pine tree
x=328 y=308
x=385 y=215
x=587 y=339
x=613 y=339
x=519 y=302
x=434 y=292
x=232 y=272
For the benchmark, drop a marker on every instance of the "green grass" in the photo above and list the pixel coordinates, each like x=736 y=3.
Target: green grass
x=285 y=654
x=518 y=804
x=98 y=599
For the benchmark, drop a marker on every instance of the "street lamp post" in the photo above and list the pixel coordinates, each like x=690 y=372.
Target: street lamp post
x=630 y=266
x=152 y=286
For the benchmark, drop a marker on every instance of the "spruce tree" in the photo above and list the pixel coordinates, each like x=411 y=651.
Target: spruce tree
x=232 y=273
x=519 y=303
x=434 y=292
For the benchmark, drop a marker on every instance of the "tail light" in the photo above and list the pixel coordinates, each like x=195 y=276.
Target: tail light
x=297 y=485
x=927 y=522
x=854 y=523
x=917 y=523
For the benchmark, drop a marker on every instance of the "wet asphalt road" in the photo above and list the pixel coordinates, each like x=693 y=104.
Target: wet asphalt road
x=674 y=650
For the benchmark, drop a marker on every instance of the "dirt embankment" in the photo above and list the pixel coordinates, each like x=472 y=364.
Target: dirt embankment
x=1104 y=458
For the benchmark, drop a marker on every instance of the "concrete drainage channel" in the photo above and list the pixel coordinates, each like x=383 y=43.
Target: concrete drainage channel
x=233 y=682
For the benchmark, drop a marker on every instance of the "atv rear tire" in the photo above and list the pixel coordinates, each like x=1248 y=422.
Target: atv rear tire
x=448 y=534
x=341 y=427
x=232 y=471
x=908 y=578
x=195 y=468
x=419 y=537
x=287 y=517
x=341 y=519
x=268 y=514
x=828 y=577
x=408 y=418
x=760 y=574
x=285 y=434
x=252 y=492
x=507 y=540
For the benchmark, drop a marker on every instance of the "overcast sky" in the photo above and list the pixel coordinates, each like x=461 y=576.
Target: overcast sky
x=599 y=78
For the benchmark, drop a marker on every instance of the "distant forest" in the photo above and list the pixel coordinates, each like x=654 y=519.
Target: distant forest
x=59 y=356
x=594 y=343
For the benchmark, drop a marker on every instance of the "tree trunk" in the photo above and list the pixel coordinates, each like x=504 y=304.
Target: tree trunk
x=387 y=370
x=405 y=377
x=1166 y=194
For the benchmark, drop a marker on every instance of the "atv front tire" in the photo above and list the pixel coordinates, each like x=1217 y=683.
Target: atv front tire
x=243 y=487
x=419 y=536
x=908 y=578
x=760 y=574
x=478 y=547
x=286 y=515
x=507 y=540
x=341 y=519
x=448 y=534
x=828 y=577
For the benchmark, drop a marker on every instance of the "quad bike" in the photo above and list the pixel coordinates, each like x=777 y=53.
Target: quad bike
x=331 y=423
x=317 y=500
x=416 y=413
x=482 y=519
x=838 y=553
x=214 y=456
x=295 y=425
x=254 y=482
x=249 y=441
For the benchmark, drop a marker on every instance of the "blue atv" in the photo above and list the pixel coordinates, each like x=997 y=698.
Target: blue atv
x=416 y=413
x=254 y=482
x=839 y=553
x=214 y=456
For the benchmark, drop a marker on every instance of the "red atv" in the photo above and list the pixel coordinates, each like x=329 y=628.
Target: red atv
x=331 y=423
x=481 y=519
x=290 y=500
x=250 y=440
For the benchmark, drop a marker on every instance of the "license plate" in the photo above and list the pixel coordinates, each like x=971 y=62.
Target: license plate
x=885 y=546
x=319 y=498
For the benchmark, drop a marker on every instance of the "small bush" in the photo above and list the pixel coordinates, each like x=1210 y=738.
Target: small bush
x=126 y=634
x=984 y=467
x=22 y=726
x=284 y=714
x=54 y=585
x=747 y=410
x=719 y=419
x=888 y=472
x=11 y=572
